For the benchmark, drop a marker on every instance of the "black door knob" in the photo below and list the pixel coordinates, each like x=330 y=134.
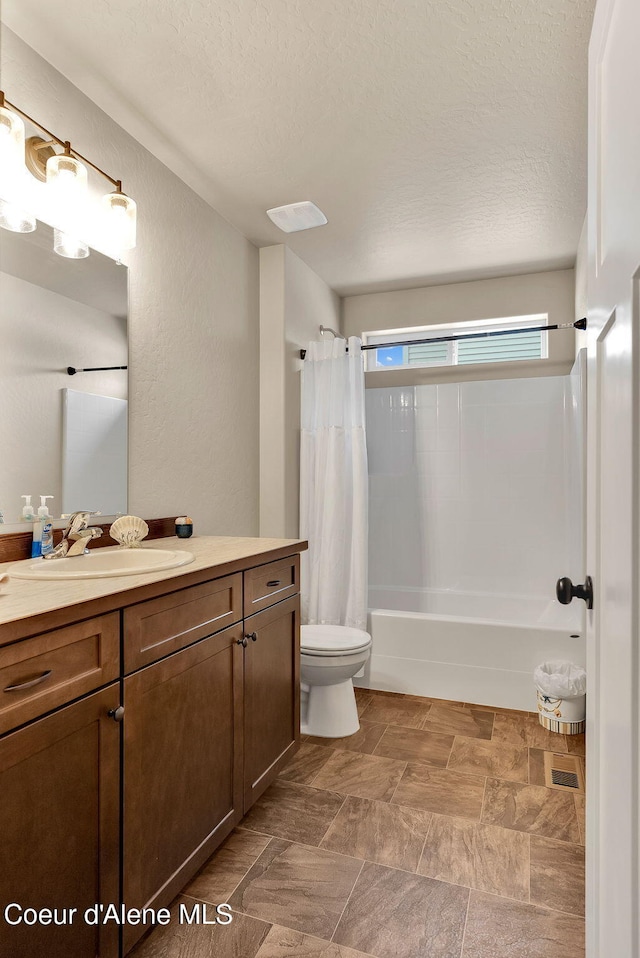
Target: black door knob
x=242 y=642
x=566 y=591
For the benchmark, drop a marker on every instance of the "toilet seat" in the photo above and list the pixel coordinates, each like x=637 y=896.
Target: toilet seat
x=319 y=640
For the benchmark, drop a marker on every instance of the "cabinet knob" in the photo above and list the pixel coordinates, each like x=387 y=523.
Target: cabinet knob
x=117 y=714
x=253 y=636
x=242 y=642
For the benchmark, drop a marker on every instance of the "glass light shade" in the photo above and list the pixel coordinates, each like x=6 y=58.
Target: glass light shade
x=11 y=142
x=69 y=246
x=13 y=216
x=67 y=188
x=15 y=219
x=119 y=220
x=66 y=175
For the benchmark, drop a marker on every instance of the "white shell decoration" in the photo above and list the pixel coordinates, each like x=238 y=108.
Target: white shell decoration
x=129 y=531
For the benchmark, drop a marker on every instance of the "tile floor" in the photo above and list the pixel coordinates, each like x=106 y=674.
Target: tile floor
x=428 y=834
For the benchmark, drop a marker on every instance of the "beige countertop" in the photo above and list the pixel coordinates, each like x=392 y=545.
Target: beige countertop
x=23 y=599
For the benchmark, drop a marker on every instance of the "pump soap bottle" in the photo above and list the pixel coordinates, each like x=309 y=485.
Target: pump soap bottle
x=28 y=515
x=46 y=524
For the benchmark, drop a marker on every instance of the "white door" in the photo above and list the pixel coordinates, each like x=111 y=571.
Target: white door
x=613 y=486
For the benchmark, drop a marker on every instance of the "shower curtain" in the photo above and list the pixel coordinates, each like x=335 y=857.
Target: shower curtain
x=334 y=485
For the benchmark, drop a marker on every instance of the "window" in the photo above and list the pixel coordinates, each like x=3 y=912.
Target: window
x=490 y=341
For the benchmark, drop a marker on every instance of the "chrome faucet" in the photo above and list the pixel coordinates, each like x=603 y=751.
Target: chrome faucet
x=76 y=535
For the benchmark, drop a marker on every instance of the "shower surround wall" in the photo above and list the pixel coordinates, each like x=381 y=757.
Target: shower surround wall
x=474 y=514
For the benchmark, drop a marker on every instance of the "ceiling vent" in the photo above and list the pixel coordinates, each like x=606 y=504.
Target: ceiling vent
x=297 y=216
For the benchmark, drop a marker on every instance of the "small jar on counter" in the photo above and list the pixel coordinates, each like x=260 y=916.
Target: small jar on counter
x=184 y=527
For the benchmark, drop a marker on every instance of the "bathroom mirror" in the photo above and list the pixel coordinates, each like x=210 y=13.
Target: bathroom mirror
x=61 y=435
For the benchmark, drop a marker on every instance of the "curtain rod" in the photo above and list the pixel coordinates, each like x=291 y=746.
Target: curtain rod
x=579 y=324
x=92 y=369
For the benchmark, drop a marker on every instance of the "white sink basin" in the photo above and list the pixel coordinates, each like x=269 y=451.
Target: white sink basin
x=100 y=563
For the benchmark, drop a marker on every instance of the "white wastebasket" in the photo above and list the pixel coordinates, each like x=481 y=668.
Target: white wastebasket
x=566 y=716
x=561 y=697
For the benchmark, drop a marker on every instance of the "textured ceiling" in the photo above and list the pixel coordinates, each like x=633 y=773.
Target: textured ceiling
x=444 y=139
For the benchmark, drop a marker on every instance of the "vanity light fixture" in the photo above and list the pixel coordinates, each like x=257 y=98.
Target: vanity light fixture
x=65 y=175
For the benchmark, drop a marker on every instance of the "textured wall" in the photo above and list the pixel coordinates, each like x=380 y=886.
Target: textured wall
x=193 y=319
x=272 y=362
x=294 y=302
x=549 y=292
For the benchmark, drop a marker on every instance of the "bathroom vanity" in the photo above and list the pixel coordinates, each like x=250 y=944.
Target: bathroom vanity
x=140 y=718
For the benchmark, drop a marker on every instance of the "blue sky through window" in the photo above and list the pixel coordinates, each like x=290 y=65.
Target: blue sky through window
x=390 y=356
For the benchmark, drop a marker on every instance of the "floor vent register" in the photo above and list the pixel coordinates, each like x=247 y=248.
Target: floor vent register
x=563 y=772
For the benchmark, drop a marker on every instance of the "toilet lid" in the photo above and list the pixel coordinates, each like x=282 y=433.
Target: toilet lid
x=332 y=638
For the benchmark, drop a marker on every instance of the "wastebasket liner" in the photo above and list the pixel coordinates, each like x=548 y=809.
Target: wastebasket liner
x=562 y=680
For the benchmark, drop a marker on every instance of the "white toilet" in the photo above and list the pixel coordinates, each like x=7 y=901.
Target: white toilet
x=330 y=655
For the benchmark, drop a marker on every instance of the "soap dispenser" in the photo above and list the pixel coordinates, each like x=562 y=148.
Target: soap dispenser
x=43 y=508
x=46 y=527
x=28 y=515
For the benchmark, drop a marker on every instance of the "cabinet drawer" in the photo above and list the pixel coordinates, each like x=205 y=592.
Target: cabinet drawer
x=41 y=673
x=160 y=626
x=267 y=584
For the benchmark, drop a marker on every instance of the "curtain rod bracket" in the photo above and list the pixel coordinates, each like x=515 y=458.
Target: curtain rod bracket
x=328 y=329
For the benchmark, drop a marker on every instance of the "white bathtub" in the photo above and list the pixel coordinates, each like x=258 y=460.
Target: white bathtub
x=467 y=647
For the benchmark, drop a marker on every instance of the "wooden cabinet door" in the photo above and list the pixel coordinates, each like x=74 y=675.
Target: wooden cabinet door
x=59 y=829
x=182 y=767
x=271 y=694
